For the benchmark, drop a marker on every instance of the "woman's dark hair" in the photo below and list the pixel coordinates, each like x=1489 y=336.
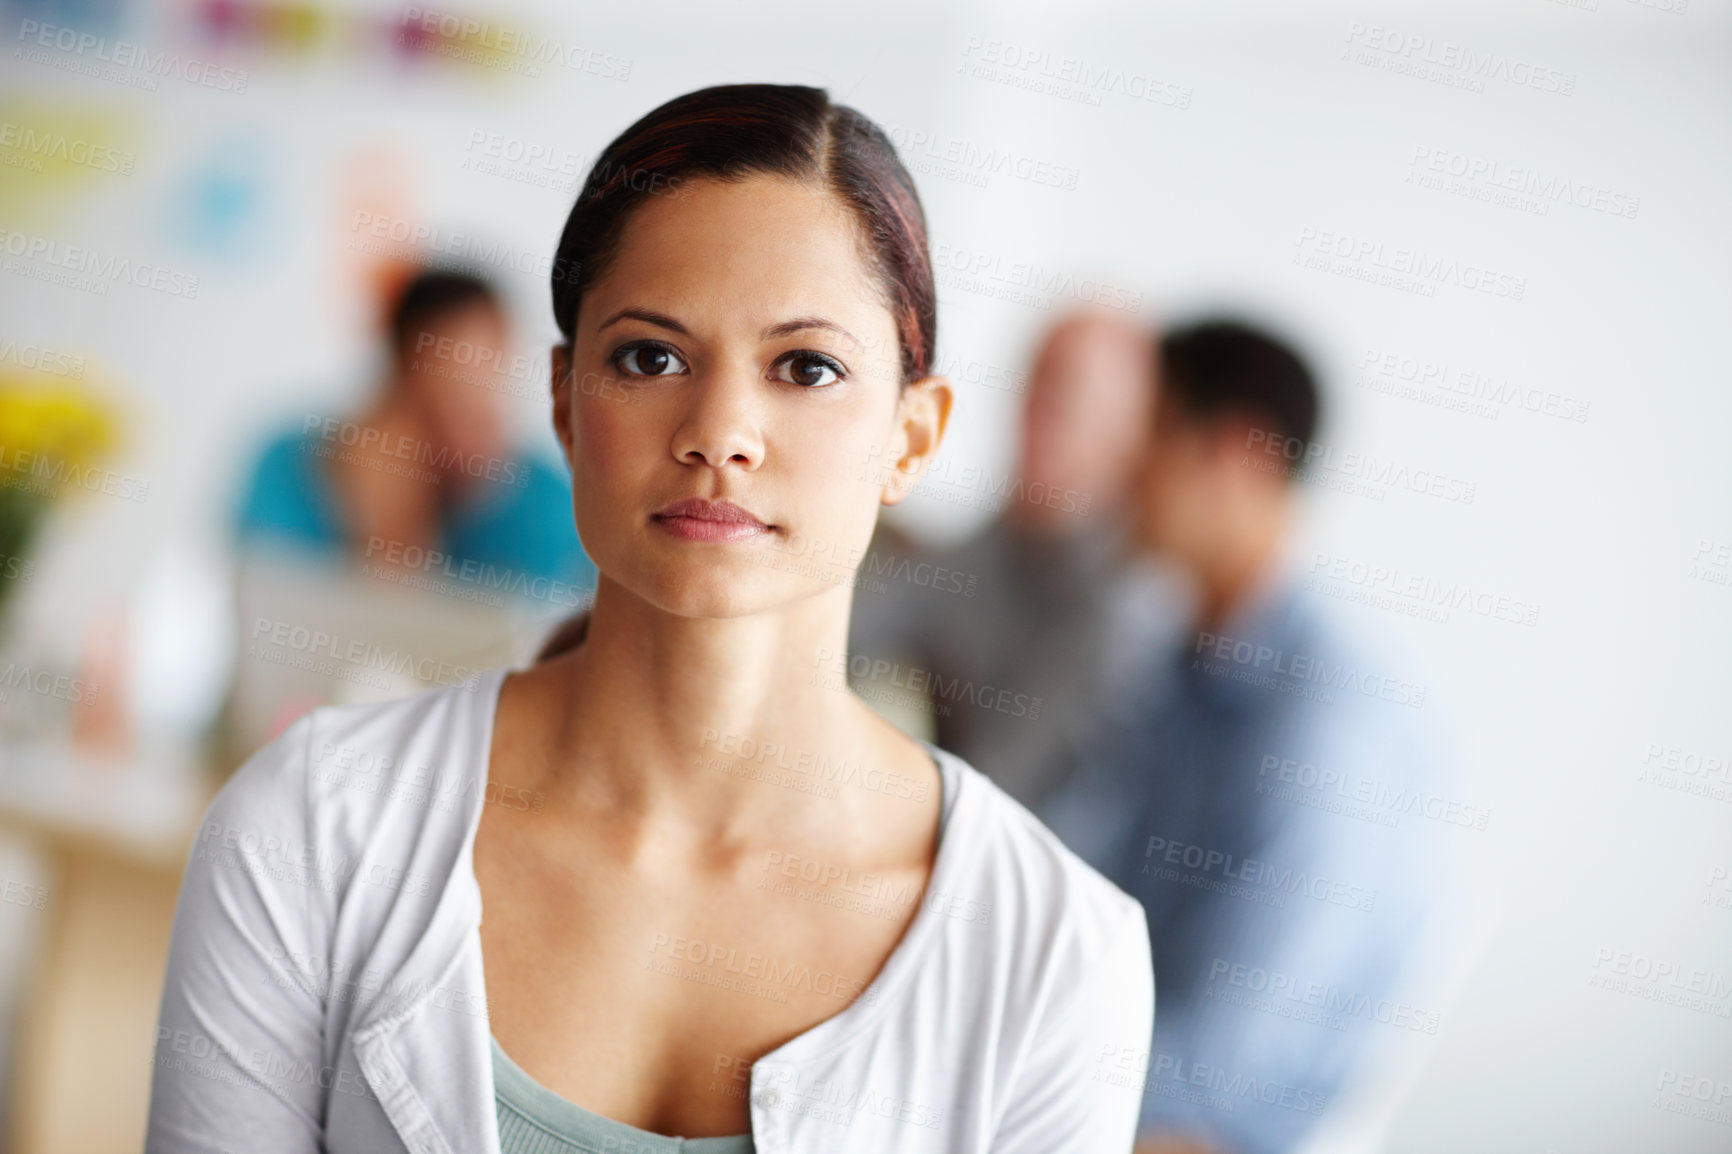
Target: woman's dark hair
x=733 y=131
x=431 y=294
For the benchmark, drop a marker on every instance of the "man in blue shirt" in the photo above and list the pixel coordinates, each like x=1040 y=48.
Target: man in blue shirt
x=1263 y=795
x=427 y=467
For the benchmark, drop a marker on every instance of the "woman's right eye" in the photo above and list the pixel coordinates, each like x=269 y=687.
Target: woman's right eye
x=649 y=360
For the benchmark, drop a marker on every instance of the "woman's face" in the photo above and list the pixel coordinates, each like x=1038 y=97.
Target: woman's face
x=732 y=406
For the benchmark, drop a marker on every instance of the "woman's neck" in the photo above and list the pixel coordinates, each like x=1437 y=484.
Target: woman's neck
x=698 y=720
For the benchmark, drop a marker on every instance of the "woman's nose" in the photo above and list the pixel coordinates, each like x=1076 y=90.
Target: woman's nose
x=721 y=425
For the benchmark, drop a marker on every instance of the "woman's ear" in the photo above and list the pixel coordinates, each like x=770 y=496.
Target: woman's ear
x=559 y=363
x=921 y=416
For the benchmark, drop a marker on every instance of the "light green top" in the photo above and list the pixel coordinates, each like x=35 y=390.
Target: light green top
x=535 y=1120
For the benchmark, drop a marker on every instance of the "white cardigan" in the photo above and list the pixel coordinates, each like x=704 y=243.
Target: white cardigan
x=325 y=992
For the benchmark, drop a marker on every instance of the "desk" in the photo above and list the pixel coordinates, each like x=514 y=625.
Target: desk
x=114 y=839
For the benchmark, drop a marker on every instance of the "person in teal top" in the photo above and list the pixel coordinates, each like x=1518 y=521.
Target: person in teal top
x=427 y=466
x=528 y=529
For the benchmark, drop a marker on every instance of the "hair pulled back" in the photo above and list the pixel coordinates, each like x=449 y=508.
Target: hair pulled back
x=731 y=132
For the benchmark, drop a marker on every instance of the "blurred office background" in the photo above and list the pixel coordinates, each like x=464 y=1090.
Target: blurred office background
x=1497 y=230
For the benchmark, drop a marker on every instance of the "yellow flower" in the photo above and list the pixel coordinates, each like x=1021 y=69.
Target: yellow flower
x=65 y=424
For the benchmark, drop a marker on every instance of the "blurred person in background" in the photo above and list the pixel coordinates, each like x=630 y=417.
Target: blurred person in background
x=1239 y=799
x=428 y=464
x=1039 y=587
x=415 y=523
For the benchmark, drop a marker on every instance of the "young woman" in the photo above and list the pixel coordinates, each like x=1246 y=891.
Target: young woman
x=677 y=880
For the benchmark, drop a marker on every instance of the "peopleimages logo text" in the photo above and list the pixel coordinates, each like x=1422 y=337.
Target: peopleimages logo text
x=154 y=62
x=1256 y=872
x=482 y=574
x=1310 y=458
x=80 y=259
x=442 y=459
x=1307 y=668
x=1474 y=64
x=1410 y=262
x=1029 y=275
x=316 y=643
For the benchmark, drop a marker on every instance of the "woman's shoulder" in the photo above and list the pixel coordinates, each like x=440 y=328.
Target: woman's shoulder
x=1042 y=890
x=1059 y=964
x=348 y=773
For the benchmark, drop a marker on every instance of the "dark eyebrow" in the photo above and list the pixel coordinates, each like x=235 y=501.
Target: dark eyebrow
x=788 y=328
x=785 y=328
x=649 y=317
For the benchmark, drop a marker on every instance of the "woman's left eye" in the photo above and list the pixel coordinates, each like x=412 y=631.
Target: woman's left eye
x=808 y=370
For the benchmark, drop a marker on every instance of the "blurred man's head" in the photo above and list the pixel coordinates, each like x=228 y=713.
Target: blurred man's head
x=1085 y=420
x=1213 y=498
x=449 y=338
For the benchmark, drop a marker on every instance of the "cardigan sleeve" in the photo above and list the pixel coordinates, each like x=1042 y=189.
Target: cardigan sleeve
x=238 y=1062
x=1080 y=1089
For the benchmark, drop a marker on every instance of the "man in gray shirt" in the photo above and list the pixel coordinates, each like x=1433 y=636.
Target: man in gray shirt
x=1004 y=649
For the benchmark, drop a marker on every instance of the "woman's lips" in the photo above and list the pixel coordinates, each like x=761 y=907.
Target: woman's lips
x=696 y=519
